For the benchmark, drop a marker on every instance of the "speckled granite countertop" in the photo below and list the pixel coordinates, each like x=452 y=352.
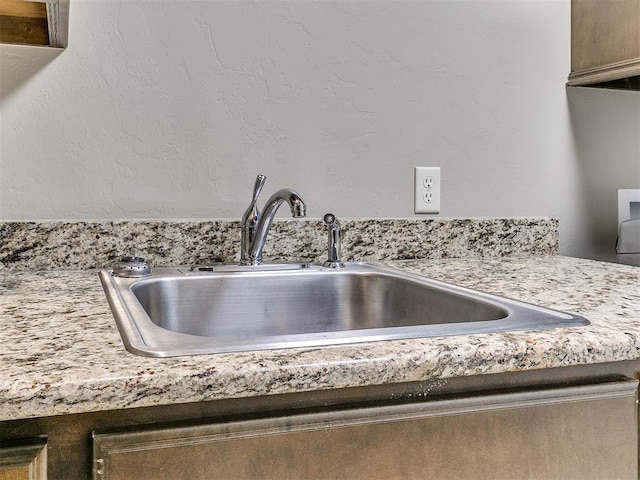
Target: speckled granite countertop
x=85 y=245
x=62 y=352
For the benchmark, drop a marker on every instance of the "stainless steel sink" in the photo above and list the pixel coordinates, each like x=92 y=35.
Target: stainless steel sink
x=180 y=311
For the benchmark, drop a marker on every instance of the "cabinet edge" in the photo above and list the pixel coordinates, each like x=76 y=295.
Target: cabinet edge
x=606 y=73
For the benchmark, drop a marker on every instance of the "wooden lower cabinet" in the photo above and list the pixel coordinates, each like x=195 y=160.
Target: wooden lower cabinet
x=582 y=432
x=23 y=460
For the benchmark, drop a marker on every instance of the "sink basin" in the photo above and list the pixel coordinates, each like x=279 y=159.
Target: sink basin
x=180 y=311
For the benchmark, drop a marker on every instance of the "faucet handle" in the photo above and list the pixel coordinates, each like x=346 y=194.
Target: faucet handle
x=250 y=221
x=333 y=232
x=257 y=187
x=250 y=217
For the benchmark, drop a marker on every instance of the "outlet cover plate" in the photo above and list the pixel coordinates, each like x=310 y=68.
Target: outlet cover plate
x=426 y=194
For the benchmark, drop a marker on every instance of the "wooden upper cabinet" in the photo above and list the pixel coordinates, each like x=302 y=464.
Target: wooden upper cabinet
x=605 y=42
x=34 y=22
x=23 y=22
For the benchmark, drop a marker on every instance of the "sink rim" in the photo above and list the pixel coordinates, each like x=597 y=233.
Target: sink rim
x=142 y=336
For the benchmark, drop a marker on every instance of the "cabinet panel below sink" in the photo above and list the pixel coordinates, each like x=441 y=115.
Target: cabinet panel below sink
x=585 y=432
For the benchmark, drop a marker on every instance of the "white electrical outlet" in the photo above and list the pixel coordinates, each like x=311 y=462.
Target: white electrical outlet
x=426 y=197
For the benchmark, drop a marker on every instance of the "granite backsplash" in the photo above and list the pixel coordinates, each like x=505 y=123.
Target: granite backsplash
x=89 y=245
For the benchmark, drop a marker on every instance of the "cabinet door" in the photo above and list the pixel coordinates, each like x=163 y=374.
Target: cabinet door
x=584 y=432
x=605 y=40
x=24 y=460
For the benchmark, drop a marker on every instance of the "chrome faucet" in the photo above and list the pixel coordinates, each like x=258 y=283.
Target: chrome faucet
x=255 y=226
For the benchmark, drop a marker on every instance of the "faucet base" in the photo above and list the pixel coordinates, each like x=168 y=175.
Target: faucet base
x=335 y=265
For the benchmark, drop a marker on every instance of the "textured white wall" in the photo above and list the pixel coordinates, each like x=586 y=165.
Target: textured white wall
x=169 y=109
x=606 y=132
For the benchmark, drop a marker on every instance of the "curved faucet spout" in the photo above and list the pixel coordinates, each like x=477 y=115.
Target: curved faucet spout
x=298 y=209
